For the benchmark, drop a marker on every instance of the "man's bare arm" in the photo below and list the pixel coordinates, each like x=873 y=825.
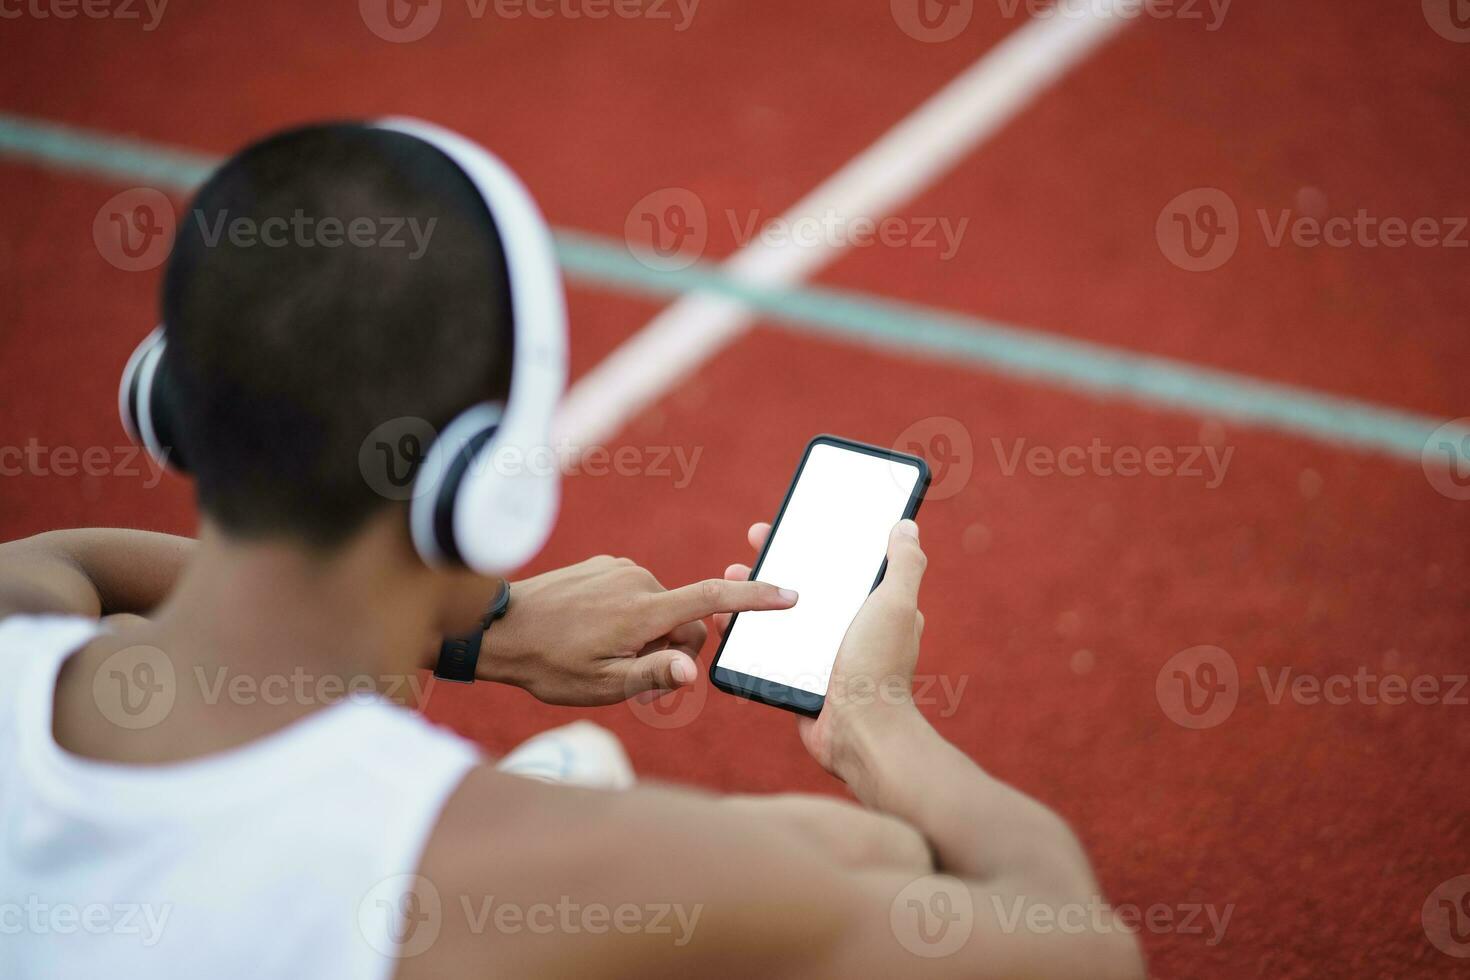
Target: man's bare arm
x=535 y=880
x=872 y=737
x=90 y=571
x=849 y=835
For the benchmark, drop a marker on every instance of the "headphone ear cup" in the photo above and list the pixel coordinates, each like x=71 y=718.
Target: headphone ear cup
x=164 y=410
x=439 y=483
x=506 y=517
x=450 y=492
x=145 y=401
x=127 y=389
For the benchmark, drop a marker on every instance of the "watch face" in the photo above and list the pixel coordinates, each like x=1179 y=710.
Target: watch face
x=497 y=607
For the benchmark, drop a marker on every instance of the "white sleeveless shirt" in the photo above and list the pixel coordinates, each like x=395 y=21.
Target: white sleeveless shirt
x=279 y=859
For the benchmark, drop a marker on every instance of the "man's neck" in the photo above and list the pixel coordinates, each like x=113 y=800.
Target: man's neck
x=259 y=635
x=274 y=607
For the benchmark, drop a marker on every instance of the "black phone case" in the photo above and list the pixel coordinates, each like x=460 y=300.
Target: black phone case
x=781 y=695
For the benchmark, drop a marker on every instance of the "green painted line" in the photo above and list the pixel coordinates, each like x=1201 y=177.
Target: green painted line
x=888 y=325
x=1027 y=354
x=82 y=151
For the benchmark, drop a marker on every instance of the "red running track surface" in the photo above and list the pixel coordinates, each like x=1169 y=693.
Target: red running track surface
x=1053 y=602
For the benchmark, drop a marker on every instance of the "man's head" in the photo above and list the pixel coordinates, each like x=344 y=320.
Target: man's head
x=325 y=281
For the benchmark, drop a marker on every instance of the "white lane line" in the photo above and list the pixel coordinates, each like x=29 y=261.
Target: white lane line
x=902 y=163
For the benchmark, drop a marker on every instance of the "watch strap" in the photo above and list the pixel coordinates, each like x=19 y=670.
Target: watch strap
x=459 y=655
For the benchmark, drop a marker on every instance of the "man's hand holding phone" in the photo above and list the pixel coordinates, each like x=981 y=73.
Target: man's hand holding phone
x=871 y=685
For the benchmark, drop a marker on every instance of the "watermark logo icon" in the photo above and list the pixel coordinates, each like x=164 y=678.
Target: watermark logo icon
x=672 y=709
x=134 y=230
x=932 y=21
x=135 y=687
x=1446 y=459
x=668 y=229
x=401 y=915
x=1198 y=687
x=392 y=454
x=400 y=21
x=1446 y=917
x=1450 y=19
x=1199 y=230
x=933 y=916
x=946 y=445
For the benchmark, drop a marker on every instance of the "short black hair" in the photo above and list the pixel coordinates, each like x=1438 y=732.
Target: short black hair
x=289 y=343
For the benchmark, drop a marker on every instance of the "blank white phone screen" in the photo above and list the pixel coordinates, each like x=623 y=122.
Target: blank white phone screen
x=829 y=546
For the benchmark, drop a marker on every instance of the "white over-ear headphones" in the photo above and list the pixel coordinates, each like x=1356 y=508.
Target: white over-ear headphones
x=486 y=494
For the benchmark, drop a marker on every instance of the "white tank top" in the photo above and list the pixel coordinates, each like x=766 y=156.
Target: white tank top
x=278 y=859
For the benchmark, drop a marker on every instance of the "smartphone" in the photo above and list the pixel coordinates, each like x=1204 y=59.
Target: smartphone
x=829 y=542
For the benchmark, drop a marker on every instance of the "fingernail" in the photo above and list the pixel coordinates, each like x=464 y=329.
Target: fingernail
x=683 y=670
x=908 y=527
x=788 y=594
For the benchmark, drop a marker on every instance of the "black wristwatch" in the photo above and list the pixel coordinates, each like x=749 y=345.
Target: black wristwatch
x=459 y=654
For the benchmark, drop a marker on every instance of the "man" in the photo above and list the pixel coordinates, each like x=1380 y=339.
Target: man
x=227 y=834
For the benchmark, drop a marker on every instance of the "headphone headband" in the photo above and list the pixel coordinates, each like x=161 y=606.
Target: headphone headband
x=477 y=500
x=503 y=509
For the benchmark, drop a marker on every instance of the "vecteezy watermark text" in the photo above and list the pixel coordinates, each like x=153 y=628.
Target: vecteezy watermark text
x=1100 y=459
x=38 y=917
x=934 y=915
x=669 y=229
x=137 y=687
x=1200 y=687
x=302 y=688
x=1210 y=13
x=946 y=444
x=36 y=459
x=832 y=229
x=1363 y=686
x=135 y=230
x=940 y=694
x=405 y=21
x=403 y=915
x=393 y=453
x=302 y=230
x=89 y=9
x=1201 y=229
x=1022 y=914
x=937 y=21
